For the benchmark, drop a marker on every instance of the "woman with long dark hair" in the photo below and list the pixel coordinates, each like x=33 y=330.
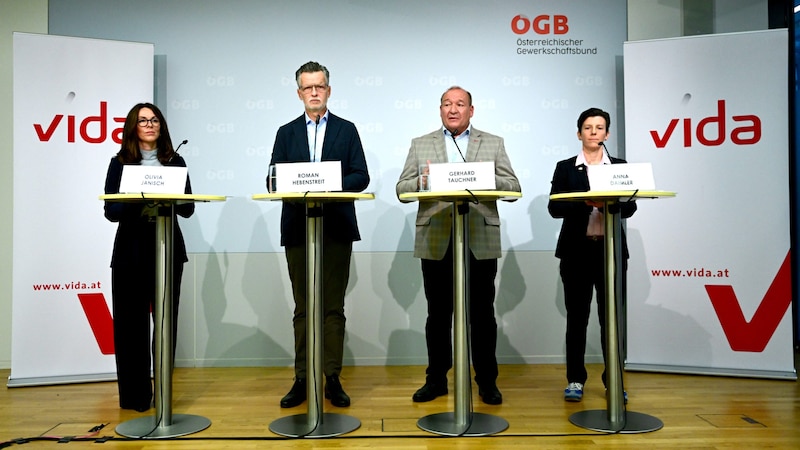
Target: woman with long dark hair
x=145 y=141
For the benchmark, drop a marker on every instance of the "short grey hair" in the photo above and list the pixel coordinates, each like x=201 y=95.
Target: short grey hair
x=311 y=67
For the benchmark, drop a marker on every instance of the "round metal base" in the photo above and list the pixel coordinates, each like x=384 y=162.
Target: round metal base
x=445 y=424
x=147 y=428
x=332 y=424
x=634 y=422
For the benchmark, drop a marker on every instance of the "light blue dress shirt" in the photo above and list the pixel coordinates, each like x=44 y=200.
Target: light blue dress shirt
x=462 y=140
x=316 y=136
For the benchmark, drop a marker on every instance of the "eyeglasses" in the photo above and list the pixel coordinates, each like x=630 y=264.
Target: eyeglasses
x=154 y=122
x=318 y=87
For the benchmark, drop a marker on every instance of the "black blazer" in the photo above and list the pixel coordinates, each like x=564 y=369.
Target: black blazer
x=341 y=143
x=569 y=178
x=134 y=243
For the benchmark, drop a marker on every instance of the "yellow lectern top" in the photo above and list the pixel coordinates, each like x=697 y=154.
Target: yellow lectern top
x=153 y=196
x=455 y=195
x=611 y=194
x=341 y=196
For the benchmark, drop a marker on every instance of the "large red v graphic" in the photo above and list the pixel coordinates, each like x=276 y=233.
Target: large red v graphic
x=753 y=336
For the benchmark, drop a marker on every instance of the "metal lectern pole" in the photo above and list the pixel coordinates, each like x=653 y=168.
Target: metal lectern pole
x=614 y=418
x=461 y=422
x=164 y=424
x=315 y=423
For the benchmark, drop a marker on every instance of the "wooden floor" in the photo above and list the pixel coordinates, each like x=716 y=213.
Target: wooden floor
x=698 y=412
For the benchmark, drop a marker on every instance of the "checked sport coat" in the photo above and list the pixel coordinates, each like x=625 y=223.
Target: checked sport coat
x=434 y=218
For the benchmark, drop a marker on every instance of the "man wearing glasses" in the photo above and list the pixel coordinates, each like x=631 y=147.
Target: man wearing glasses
x=318 y=135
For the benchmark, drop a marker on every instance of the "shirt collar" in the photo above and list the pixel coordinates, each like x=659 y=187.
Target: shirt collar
x=464 y=133
x=581 y=160
x=323 y=119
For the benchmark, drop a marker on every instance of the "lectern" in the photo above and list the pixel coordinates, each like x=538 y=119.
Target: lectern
x=614 y=418
x=462 y=421
x=163 y=424
x=315 y=423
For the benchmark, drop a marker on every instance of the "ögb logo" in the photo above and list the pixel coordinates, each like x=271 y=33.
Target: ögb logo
x=747 y=131
x=541 y=24
x=100 y=122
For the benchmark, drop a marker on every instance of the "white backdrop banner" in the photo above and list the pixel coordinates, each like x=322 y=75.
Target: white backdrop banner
x=709 y=273
x=532 y=67
x=228 y=92
x=71 y=96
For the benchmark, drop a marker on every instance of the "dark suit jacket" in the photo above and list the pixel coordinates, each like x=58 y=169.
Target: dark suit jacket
x=341 y=143
x=569 y=178
x=135 y=240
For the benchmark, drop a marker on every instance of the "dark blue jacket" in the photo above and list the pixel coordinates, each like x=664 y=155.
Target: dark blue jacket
x=569 y=178
x=341 y=143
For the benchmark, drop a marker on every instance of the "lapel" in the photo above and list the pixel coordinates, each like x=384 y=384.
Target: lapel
x=580 y=177
x=300 y=144
x=474 y=145
x=439 y=150
x=331 y=131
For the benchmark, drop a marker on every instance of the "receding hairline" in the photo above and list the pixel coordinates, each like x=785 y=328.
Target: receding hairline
x=453 y=88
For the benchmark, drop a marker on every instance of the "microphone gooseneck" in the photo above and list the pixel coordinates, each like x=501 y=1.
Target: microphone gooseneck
x=603 y=144
x=179 y=145
x=453 y=135
x=316 y=129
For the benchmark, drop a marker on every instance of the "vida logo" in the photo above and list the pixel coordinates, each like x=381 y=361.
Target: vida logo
x=747 y=133
x=101 y=122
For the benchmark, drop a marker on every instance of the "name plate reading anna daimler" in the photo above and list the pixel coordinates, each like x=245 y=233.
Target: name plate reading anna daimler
x=461 y=176
x=621 y=177
x=323 y=176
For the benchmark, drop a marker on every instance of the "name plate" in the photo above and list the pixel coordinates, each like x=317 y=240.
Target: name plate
x=153 y=179
x=308 y=177
x=621 y=177
x=461 y=176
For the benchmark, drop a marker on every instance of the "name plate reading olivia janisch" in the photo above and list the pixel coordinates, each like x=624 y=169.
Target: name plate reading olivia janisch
x=153 y=179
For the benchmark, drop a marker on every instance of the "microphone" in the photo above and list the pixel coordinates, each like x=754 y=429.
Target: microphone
x=453 y=135
x=316 y=129
x=179 y=145
x=603 y=144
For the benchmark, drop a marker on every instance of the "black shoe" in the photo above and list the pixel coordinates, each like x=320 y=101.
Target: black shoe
x=335 y=392
x=490 y=395
x=137 y=407
x=141 y=405
x=429 y=392
x=296 y=395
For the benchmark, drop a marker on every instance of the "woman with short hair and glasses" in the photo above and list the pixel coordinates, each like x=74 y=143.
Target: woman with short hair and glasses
x=145 y=141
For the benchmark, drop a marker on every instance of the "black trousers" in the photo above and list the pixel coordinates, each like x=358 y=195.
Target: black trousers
x=133 y=298
x=438 y=281
x=580 y=276
x=335 y=275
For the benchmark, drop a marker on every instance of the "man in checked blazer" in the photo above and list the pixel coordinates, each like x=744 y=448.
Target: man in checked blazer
x=458 y=141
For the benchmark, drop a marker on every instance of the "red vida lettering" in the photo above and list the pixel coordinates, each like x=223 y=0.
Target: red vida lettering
x=747 y=134
x=100 y=120
x=540 y=24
